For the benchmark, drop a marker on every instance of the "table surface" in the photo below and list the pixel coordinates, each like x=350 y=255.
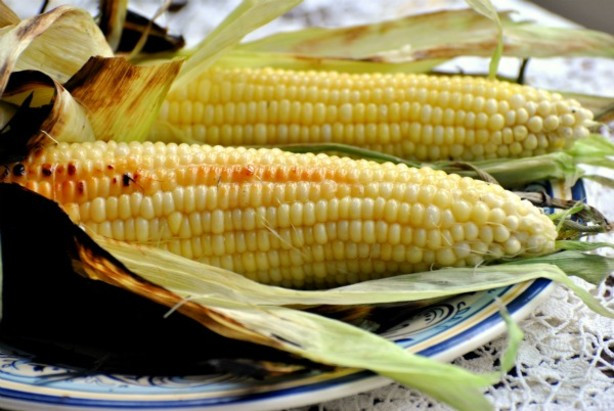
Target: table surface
x=566 y=358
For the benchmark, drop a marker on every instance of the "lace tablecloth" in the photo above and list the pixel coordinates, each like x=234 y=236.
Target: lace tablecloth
x=566 y=359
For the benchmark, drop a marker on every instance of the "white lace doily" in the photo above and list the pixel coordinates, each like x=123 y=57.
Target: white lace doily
x=567 y=358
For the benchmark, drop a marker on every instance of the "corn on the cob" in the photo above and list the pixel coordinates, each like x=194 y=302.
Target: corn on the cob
x=421 y=117
x=299 y=220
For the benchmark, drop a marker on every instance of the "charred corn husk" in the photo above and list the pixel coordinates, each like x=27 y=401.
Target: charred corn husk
x=297 y=220
x=411 y=116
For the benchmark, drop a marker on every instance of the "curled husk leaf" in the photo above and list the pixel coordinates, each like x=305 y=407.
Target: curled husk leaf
x=57 y=43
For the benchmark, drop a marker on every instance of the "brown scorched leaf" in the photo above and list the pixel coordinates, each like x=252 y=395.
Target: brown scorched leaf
x=122 y=99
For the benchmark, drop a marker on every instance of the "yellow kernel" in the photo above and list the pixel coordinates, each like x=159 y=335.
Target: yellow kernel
x=462 y=250
x=432 y=216
x=417 y=214
x=522 y=116
x=98 y=210
x=531 y=142
x=544 y=108
x=501 y=233
x=433 y=239
x=394 y=234
x=345 y=113
x=147 y=209
x=142 y=229
x=381 y=231
x=479 y=213
x=512 y=246
x=481 y=120
x=123 y=210
x=497 y=216
x=535 y=124
x=355 y=231
x=491 y=106
x=426 y=194
x=217 y=221
x=445 y=257
x=517 y=101
x=516 y=148
x=551 y=123
x=496 y=122
x=568 y=120
x=368 y=232
x=486 y=234
x=420 y=236
x=520 y=133
x=471 y=231
x=461 y=210
x=174 y=221
x=413 y=254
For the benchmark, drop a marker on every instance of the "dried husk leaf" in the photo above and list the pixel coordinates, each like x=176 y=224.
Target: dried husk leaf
x=112 y=18
x=246 y=58
x=66 y=120
x=438 y=35
x=7 y=16
x=57 y=43
x=122 y=100
x=404 y=39
x=157 y=38
x=485 y=8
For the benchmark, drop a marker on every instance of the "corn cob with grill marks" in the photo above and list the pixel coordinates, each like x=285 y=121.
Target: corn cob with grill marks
x=296 y=220
x=427 y=118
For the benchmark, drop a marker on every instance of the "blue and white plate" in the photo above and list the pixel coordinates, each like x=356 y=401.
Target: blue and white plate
x=444 y=331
